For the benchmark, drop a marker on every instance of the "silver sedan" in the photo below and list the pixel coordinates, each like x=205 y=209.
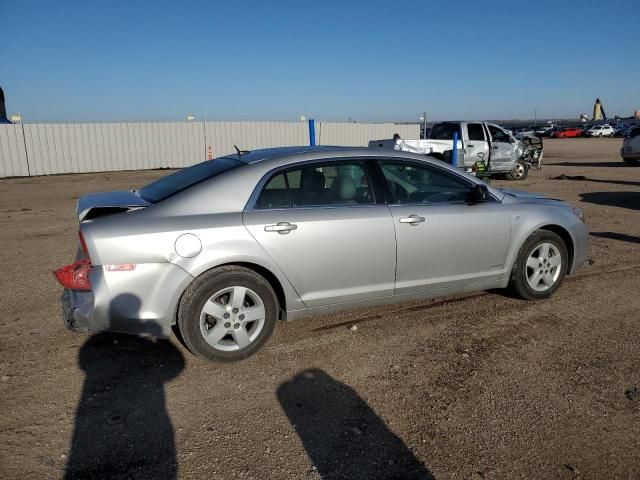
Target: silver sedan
x=222 y=250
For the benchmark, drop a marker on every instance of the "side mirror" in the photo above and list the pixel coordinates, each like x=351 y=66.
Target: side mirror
x=478 y=194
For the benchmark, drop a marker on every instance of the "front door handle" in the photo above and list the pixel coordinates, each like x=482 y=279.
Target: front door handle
x=412 y=220
x=282 y=227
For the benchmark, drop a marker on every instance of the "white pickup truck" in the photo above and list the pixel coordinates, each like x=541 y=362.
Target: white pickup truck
x=477 y=141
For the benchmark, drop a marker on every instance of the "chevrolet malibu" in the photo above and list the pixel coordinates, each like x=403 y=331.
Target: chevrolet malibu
x=222 y=250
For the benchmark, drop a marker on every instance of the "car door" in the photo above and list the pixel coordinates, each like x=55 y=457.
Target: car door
x=321 y=224
x=503 y=149
x=477 y=147
x=442 y=240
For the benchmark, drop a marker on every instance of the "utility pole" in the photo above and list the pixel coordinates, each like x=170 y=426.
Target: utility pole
x=204 y=131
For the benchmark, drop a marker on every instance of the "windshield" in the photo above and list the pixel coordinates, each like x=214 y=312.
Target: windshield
x=185 y=178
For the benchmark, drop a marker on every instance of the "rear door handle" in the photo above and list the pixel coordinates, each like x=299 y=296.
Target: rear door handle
x=412 y=220
x=469 y=145
x=282 y=227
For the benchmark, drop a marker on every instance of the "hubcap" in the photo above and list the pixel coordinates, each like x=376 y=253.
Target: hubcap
x=232 y=318
x=543 y=267
x=518 y=171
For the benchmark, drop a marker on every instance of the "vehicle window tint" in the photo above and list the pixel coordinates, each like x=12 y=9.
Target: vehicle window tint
x=498 y=135
x=330 y=184
x=274 y=194
x=411 y=183
x=293 y=178
x=475 y=131
x=444 y=131
x=187 y=177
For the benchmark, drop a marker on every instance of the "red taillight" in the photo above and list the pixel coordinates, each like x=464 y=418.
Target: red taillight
x=83 y=244
x=75 y=276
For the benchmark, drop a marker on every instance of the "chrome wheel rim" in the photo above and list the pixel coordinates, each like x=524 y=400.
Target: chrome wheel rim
x=543 y=266
x=232 y=318
x=518 y=170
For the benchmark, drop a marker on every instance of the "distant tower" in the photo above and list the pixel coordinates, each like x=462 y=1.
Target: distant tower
x=3 y=110
x=598 y=111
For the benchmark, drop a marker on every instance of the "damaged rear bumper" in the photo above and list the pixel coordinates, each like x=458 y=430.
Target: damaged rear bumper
x=77 y=310
x=139 y=302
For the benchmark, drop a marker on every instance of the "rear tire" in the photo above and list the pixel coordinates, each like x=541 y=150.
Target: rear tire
x=227 y=314
x=540 y=267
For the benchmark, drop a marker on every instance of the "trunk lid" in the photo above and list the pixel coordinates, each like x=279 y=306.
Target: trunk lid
x=96 y=205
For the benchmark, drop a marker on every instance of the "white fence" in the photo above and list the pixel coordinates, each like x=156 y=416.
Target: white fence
x=51 y=148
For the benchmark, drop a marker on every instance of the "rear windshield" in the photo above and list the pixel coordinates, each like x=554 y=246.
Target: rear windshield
x=185 y=178
x=444 y=131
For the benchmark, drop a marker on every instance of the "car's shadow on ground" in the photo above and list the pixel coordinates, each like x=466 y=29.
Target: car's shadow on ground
x=616 y=236
x=629 y=200
x=122 y=428
x=582 y=178
x=342 y=435
x=619 y=163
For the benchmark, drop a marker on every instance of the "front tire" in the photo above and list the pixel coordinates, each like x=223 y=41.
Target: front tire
x=540 y=267
x=519 y=172
x=227 y=314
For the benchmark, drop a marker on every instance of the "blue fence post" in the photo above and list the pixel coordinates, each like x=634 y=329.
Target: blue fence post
x=312 y=132
x=454 y=154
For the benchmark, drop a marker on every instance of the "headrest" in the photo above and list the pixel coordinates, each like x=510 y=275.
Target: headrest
x=312 y=181
x=345 y=187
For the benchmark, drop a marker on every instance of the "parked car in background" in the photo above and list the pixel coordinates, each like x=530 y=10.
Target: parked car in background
x=600 y=131
x=585 y=127
x=223 y=249
x=525 y=132
x=567 y=132
x=545 y=130
x=630 y=150
x=620 y=130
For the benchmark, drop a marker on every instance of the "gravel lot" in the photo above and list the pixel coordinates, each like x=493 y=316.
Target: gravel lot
x=483 y=386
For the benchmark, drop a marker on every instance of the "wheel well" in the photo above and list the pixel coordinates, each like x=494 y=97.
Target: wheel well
x=566 y=238
x=271 y=278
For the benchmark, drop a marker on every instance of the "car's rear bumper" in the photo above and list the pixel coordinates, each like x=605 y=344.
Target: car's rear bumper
x=140 y=302
x=77 y=310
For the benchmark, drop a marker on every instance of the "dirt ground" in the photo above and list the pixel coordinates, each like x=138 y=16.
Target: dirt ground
x=481 y=386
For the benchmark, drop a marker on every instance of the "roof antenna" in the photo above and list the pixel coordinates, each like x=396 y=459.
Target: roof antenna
x=240 y=152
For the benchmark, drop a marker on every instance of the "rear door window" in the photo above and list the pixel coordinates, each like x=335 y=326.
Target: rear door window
x=275 y=193
x=319 y=184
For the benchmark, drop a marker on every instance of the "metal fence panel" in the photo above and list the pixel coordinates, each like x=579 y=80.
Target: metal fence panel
x=13 y=156
x=93 y=147
x=359 y=134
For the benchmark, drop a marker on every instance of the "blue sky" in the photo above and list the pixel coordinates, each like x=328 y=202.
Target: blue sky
x=115 y=60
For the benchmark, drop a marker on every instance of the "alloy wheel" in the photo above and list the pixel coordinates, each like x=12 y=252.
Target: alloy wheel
x=232 y=318
x=543 y=266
